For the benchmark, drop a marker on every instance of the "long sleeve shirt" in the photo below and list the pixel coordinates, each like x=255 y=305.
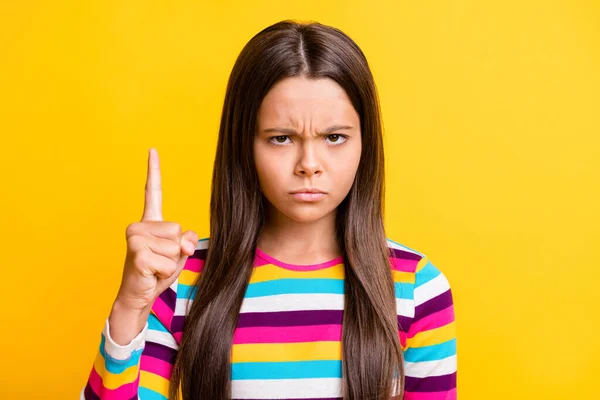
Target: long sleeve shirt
x=287 y=343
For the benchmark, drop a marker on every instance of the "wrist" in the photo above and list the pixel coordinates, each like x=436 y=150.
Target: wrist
x=126 y=322
x=135 y=311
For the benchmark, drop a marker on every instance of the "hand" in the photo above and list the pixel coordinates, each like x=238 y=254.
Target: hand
x=156 y=254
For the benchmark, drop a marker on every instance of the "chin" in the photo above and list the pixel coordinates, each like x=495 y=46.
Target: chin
x=306 y=215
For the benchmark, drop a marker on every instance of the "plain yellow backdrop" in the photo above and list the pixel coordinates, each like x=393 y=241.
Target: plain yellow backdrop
x=491 y=115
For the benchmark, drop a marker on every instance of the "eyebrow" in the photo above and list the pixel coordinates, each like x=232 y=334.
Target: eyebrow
x=293 y=132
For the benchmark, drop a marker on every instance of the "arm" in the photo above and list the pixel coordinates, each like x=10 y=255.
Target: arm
x=430 y=356
x=141 y=368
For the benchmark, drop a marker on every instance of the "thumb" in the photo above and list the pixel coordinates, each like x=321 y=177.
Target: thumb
x=189 y=240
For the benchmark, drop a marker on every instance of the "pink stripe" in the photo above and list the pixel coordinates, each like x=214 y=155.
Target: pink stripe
x=401 y=264
x=259 y=261
x=298 y=267
x=435 y=320
x=402 y=336
x=446 y=395
x=178 y=336
x=194 y=264
x=288 y=334
x=126 y=391
x=164 y=313
x=156 y=366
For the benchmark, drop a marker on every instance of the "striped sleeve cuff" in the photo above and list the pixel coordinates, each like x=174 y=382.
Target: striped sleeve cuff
x=119 y=352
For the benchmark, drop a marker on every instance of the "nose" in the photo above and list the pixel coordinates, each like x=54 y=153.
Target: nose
x=309 y=161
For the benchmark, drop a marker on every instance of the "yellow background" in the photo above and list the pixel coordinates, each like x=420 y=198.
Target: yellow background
x=491 y=112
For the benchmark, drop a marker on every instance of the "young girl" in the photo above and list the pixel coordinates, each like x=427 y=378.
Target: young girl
x=298 y=293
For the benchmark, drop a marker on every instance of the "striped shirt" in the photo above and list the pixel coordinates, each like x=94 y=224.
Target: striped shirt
x=287 y=343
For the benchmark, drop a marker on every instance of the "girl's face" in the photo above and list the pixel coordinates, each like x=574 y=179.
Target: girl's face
x=308 y=137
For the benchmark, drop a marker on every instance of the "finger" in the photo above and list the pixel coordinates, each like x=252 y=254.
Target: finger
x=180 y=263
x=189 y=241
x=164 y=248
x=163 y=229
x=168 y=280
x=153 y=199
x=163 y=267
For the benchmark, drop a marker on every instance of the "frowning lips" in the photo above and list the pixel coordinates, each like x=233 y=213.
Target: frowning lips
x=308 y=190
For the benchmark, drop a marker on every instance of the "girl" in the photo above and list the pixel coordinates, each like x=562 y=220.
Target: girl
x=297 y=293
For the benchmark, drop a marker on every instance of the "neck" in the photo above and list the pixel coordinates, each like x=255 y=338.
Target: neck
x=313 y=241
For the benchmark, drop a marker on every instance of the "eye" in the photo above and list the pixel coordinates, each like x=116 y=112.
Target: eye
x=334 y=137
x=337 y=137
x=278 y=142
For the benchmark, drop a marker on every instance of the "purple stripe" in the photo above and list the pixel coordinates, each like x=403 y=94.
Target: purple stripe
x=169 y=297
x=431 y=383
x=160 y=351
x=177 y=323
x=290 y=318
x=433 y=305
x=299 y=398
x=89 y=394
x=405 y=255
x=404 y=323
x=200 y=254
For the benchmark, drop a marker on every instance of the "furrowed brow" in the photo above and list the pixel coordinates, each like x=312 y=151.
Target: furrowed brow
x=290 y=131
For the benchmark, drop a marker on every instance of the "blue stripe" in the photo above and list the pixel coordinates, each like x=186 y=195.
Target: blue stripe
x=404 y=290
x=428 y=272
x=183 y=291
x=115 y=366
x=155 y=325
x=287 y=370
x=300 y=285
x=148 y=394
x=286 y=286
x=431 y=353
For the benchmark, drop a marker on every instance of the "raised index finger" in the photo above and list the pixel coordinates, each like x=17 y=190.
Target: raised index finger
x=153 y=201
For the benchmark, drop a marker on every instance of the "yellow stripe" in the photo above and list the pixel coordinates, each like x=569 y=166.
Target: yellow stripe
x=255 y=352
x=154 y=382
x=433 y=336
x=269 y=272
x=405 y=277
x=188 y=277
x=421 y=264
x=113 y=381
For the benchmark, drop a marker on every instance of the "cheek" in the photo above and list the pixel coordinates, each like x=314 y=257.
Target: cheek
x=269 y=171
x=345 y=169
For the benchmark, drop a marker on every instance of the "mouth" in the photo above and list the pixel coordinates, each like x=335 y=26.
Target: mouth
x=308 y=190
x=308 y=195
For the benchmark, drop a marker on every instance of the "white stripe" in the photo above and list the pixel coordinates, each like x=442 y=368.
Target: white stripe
x=163 y=338
x=426 y=369
x=123 y=352
x=398 y=246
x=81 y=396
x=202 y=244
x=284 y=388
x=181 y=306
x=308 y=301
x=429 y=290
x=405 y=308
x=293 y=302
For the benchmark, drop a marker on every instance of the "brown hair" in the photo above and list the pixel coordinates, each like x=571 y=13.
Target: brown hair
x=372 y=359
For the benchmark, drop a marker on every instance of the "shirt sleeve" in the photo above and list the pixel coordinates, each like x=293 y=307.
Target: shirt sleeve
x=430 y=357
x=139 y=370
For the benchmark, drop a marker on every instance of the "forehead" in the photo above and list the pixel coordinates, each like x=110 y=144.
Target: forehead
x=299 y=100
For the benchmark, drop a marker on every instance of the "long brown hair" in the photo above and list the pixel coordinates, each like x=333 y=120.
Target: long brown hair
x=372 y=359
